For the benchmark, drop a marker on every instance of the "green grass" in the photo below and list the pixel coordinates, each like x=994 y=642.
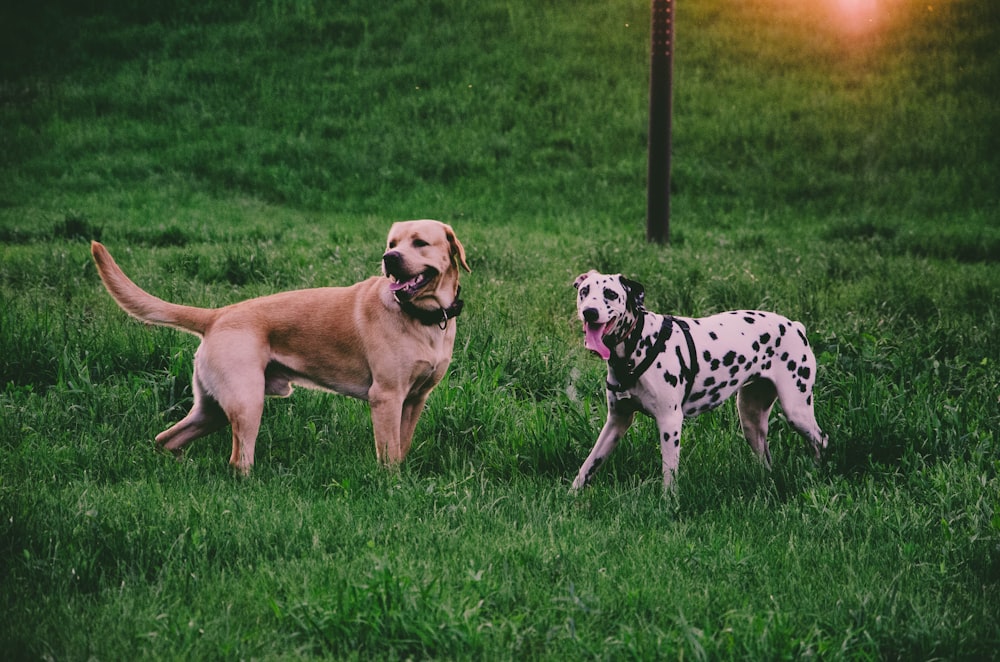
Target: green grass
x=226 y=150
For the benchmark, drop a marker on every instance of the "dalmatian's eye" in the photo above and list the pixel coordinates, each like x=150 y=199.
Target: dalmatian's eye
x=610 y=295
x=584 y=291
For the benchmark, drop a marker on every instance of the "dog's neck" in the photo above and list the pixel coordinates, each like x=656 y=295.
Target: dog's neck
x=625 y=366
x=434 y=316
x=629 y=334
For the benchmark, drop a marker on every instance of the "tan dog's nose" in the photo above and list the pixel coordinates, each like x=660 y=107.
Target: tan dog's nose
x=392 y=262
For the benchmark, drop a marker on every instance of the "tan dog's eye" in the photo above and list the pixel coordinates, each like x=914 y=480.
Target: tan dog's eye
x=392 y=244
x=420 y=243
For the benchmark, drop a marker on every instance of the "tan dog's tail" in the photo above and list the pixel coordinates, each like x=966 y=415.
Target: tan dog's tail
x=144 y=306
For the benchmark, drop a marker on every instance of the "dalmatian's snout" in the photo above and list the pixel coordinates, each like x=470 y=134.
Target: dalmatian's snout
x=591 y=315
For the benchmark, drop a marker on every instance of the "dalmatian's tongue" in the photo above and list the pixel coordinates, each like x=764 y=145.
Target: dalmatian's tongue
x=594 y=334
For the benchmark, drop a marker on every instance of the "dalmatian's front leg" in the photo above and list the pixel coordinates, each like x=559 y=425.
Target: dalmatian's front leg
x=614 y=429
x=669 y=424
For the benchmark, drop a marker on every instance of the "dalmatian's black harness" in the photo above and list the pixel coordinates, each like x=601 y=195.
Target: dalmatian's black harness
x=627 y=374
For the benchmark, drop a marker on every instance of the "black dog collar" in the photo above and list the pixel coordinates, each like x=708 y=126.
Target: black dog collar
x=438 y=316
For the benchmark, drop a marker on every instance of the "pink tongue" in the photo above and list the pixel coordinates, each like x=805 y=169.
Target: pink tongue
x=594 y=340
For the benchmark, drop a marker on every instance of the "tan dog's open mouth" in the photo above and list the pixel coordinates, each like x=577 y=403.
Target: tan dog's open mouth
x=405 y=287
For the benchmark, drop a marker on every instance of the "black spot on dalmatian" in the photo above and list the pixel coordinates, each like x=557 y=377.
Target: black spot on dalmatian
x=784 y=356
x=802 y=335
x=756 y=346
x=715 y=365
x=765 y=338
x=709 y=381
x=694 y=397
x=749 y=320
x=728 y=359
x=741 y=359
x=791 y=366
x=670 y=379
x=675 y=435
x=707 y=356
x=804 y=372
x=713 y=336
x=781 y=329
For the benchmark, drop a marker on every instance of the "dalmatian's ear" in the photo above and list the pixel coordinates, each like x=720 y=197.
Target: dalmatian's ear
x=636 y=293
x=581 y=278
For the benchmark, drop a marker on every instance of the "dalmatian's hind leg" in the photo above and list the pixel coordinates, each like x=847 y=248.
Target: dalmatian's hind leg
x=797 y=403
x=754 y=401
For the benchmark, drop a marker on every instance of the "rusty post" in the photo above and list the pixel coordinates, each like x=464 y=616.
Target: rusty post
x=661 y=66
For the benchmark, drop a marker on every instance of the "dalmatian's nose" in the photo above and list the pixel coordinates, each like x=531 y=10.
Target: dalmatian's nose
x=590 y=314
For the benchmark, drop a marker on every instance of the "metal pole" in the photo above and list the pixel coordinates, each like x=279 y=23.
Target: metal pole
x=661 y=64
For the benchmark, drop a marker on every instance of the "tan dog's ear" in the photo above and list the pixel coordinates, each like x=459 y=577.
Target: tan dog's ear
x=581 y=278
x=457 y=250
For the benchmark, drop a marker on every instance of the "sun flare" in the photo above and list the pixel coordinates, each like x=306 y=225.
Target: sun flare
x=857 y=16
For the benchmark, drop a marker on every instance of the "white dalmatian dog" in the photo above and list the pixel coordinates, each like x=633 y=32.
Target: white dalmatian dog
x=671 y=367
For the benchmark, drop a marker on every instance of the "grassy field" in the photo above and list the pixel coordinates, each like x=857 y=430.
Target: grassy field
x=844 y=174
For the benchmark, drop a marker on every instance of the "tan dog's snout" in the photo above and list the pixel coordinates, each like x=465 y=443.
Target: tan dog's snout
x=393 y=264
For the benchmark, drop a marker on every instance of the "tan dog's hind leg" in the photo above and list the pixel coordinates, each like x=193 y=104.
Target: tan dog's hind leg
x=205 y=417
x=243 y=402
x=246 y=425
x=230 y=367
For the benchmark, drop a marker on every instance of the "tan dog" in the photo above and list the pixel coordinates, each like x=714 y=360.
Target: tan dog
x=387 y=340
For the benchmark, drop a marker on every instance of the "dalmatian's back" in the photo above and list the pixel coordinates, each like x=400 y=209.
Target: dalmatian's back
x=737 y=346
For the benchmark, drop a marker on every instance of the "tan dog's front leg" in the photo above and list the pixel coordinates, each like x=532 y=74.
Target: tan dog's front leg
x=387 y=413
x=412 y=409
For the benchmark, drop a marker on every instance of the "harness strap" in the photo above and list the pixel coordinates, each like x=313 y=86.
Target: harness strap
x=627 y=376
x=624 y=373
x=691 y=369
